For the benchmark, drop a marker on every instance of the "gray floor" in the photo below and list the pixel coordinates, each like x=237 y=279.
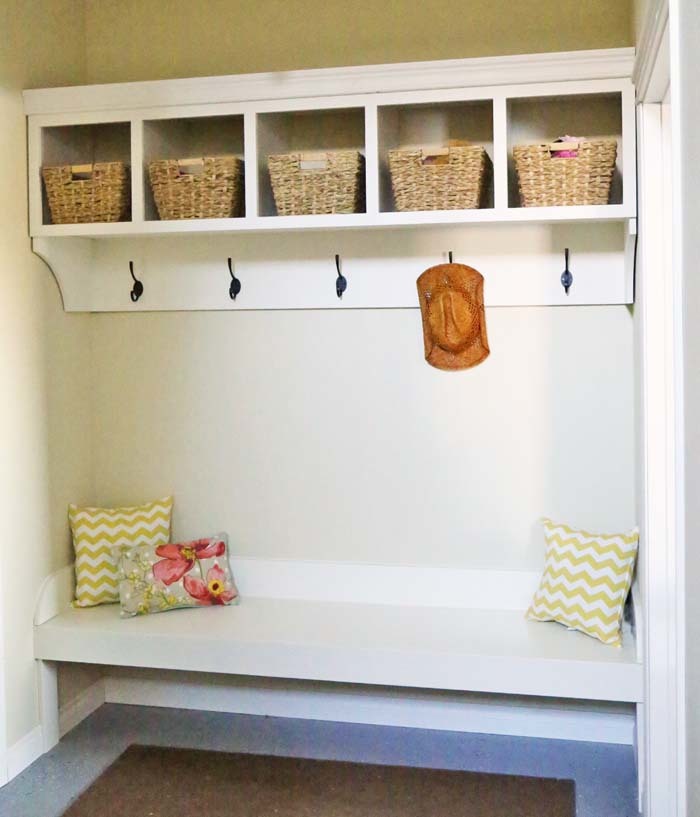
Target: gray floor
x=604 y=774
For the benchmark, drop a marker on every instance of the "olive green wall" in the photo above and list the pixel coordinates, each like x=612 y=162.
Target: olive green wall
x=158 y=39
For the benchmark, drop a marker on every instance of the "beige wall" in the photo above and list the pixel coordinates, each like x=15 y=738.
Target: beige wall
x=155 y=39
x=41 y=44
x=325 y=435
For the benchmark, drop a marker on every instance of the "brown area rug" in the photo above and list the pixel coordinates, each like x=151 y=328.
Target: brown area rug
x=147 y=781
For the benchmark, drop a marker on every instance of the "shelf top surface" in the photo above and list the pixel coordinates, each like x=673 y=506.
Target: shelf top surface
x=534 y=215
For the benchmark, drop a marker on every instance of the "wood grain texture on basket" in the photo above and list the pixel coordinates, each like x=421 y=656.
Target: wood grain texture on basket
x=89 y=193
x=548 y=180
x=203 y=187
x=306 y=184
x=450 y=178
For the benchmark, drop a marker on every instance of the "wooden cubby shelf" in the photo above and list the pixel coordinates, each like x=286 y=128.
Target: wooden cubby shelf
x=370 y=110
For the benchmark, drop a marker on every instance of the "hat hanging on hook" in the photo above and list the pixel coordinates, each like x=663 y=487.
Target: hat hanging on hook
x=451 y=298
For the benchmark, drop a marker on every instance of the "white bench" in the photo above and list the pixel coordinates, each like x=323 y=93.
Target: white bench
x=426 y=628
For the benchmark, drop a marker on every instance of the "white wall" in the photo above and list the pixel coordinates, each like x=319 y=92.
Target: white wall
x=325 y=435
x=42 y=355
x=686 y=96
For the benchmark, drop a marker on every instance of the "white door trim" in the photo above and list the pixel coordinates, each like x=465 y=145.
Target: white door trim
x=662 y=717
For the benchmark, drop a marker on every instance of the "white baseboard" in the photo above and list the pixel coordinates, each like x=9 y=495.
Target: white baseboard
x=424 y=710
x=80 y=707
x=31 y=746
x=24 y=752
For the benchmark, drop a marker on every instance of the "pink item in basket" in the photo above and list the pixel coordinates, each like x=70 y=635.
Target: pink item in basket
x=566 y=154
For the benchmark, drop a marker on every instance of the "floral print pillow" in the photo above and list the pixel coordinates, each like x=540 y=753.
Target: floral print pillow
x=167 y=577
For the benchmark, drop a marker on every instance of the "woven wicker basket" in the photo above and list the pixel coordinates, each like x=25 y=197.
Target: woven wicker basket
x=315 y=183
x=79 y=194
x=550 y=181
x=451 y=178
x=207 y=187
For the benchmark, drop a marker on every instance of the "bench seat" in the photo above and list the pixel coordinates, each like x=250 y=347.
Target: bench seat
x=424 y=646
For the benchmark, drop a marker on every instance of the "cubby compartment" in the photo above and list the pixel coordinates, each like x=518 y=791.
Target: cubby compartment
x=433 y=124
x=543 y=119
x=311 y=132
x=190 y=139
x=80 y=146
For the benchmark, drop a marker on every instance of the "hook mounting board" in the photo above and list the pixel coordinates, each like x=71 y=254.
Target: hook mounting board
x=521 y=265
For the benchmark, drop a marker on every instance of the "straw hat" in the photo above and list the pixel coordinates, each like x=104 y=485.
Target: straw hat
x=454 y=324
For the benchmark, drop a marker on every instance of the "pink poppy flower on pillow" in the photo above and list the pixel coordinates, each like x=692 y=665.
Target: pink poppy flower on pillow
x=214 y=591
x=179 y=559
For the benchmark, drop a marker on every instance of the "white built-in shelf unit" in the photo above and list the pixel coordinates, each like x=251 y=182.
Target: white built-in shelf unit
x=494 y=102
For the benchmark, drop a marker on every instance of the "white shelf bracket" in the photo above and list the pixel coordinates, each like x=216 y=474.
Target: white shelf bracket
x=71 y=261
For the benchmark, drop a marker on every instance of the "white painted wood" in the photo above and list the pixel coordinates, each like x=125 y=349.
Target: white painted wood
x=435 y=648
x=558 y=720
x=381 y=268
x=651 y=74
x=554 y=67
x=350 y=117
x=416 y=586
x=631 y=248
x=662 y=569
x=627 y=146
x=47 y=676
x=500 y=153
x=392 y=632
x=55 y=594
x=531 y=215
x=139 y=174
x=71 y=260
x=346 y=582
x=23 y=753
x=34 y=184
x=250 y=157
x=84 y=705
x=372 y=160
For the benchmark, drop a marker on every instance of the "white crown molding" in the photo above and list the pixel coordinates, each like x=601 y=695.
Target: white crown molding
x=651 y=67
x=554 y=67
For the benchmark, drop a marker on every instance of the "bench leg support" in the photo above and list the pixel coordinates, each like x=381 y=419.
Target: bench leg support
x=48 y=702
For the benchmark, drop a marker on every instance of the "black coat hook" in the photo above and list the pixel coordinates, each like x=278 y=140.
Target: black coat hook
x=567 y=279
x=235 y=287
x=137 y=289
x=449 y=255
x=341 y=283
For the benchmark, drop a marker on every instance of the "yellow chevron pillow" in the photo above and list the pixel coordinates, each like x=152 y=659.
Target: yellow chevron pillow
x=586 y=579
x=96 y=531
